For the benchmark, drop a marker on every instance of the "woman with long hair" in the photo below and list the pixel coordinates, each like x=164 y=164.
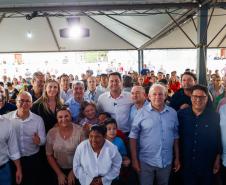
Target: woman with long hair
x=46 y=107
x=48 y=103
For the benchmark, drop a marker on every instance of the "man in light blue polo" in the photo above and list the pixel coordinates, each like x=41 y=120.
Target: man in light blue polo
x=155 y=128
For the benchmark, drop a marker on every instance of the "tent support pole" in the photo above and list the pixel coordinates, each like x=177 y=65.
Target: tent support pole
x=140 y=60
x=202 y=45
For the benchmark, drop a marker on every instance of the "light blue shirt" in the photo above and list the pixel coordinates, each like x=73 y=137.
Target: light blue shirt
x=156 y=132
x=117 y=141
x=74 y=107
x=92 y=96
x=222 y=112
x=134 y=111
x=66 y=95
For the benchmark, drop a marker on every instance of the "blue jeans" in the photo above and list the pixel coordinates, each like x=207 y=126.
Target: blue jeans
x=5 y=175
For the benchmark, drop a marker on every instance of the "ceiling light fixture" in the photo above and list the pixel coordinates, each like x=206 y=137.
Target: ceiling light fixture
x=75 y=32
x=29 y=35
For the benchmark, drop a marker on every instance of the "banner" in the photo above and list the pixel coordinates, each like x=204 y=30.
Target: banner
x=18 y=58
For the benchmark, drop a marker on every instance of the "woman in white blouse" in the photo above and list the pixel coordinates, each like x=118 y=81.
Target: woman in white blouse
x=61 y=144
x=97 y=161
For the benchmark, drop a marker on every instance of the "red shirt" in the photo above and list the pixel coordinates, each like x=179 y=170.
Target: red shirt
x=175 y=86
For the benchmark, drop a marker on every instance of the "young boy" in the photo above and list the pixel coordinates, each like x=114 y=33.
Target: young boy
x=111 y=135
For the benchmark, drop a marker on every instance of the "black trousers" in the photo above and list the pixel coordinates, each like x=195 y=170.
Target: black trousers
x=223 y=175
x=196 y=178
x=30 y=169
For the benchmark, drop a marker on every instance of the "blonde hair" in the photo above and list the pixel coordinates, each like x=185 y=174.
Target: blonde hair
x=44 y=98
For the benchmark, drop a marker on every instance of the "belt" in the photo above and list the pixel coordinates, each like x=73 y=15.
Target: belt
x=2 y=166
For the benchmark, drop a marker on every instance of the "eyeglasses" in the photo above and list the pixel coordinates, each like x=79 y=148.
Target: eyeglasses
x=195 y=97
x=23 y=101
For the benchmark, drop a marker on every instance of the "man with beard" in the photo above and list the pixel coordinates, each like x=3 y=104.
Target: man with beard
x=182 y=98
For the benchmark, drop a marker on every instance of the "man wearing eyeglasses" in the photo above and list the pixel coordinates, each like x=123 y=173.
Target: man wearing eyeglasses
x=30 y=132
x=5 y=107
x=200 y=139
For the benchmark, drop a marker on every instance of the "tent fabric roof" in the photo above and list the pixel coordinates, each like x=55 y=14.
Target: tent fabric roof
x=120 y=28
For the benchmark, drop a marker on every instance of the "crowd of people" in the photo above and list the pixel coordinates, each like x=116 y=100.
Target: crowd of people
x=113 y=129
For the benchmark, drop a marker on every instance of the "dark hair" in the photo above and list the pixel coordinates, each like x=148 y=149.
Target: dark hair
x=64 y=75
x=190 y=74
x=110 y=121
x=127 y=81
x=103 y=75
x=99 y=128
x=205 y=90
x=9 y=84
x=63 y=108
x=201 y=88
x=37 y=74
x=163 y=81
x=83 y=106
x=108 y=115
x=2 y=84
x=116 y=74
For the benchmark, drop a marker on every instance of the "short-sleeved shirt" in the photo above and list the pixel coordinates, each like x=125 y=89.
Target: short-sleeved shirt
x=200 y=139
x=178 y=99
x=119 y=108
x=63 y=150
x=155 y=132
x=120 y=145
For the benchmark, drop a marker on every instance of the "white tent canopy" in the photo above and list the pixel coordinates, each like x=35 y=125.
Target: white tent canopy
x=113 y=25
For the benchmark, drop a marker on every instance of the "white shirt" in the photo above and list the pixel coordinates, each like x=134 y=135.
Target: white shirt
x=87 y=165
x=66 y=95
x=8 y=142
x=119 y=108
x=25 y=130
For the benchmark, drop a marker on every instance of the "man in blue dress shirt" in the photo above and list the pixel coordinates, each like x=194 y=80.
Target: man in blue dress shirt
x=200 y=139
x=155 y=128
x=74 y=103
